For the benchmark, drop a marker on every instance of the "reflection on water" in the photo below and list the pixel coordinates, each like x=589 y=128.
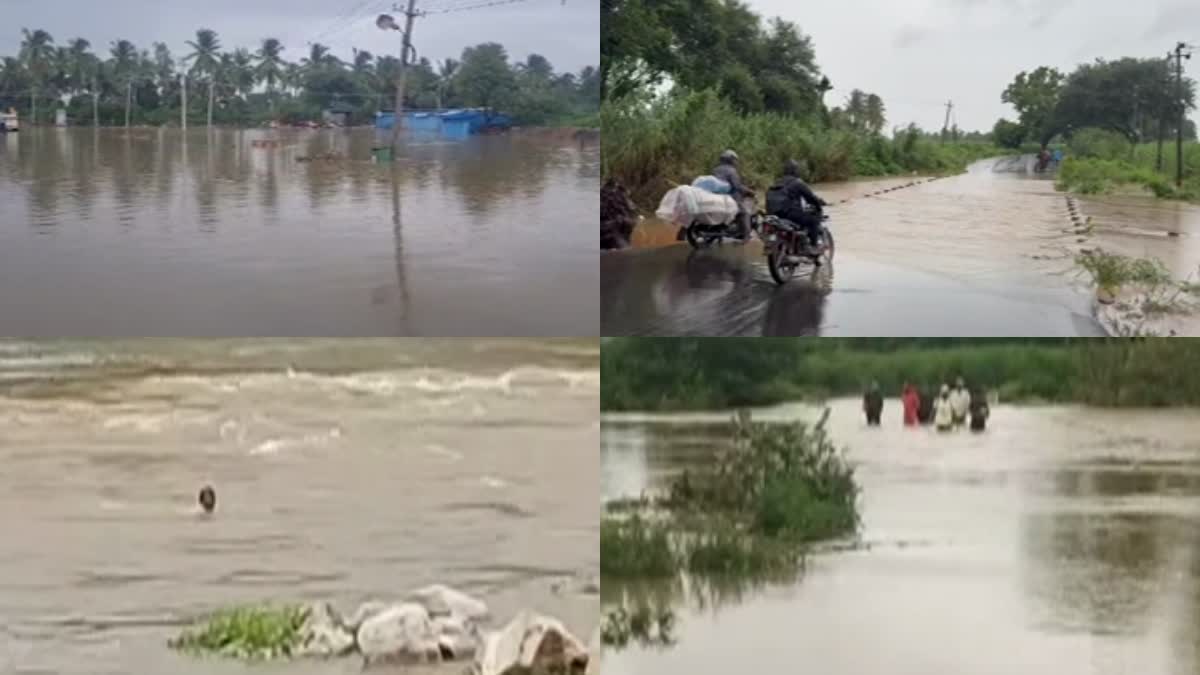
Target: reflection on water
x=160 y=232
x=345 y=470
x=1062 y=540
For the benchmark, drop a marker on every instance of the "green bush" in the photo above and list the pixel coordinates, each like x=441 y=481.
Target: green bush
x=250 y=633
x=649 y=145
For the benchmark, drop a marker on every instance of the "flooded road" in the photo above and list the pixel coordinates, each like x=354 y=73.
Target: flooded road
x=153 y=232
x=344 y=471
x=1062 y=541
x=980 y=254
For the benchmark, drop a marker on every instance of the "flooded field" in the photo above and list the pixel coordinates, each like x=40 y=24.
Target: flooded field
x=986 y=253
x=154 y=232
x=1062 y=541
x=344 y=471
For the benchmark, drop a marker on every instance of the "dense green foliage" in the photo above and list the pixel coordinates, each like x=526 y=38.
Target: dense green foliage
x=700 y=373
x=650 y=146
x=739 y=82
x=775 y=488
x=1136 y=98
x=132 y=86
x=1102 y=161
x=250 y=633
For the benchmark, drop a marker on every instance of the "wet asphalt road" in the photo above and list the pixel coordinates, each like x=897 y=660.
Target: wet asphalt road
x=981 y=254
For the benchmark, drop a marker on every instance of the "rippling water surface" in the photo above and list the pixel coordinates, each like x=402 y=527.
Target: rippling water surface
x=345 y=470
x=156 y=232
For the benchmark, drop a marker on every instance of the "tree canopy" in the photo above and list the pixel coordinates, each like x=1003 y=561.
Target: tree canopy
x=142 y=86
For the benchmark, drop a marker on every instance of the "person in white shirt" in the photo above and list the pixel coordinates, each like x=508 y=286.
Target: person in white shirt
x=960 y=402
x=943 y=412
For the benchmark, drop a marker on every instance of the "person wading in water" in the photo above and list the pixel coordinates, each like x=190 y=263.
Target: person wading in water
x=873 y=404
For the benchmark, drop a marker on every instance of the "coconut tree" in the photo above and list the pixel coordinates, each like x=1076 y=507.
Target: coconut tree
x=206 y=60
x=271 y=66
x=446 y=71
x=241 y=72
x=37 y=53
x=124 y=68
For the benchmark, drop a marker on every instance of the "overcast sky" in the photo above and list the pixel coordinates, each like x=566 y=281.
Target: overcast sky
x=566 y=32
x=917 y=54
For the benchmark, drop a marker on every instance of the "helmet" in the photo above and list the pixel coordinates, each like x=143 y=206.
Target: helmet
x=729 y=157
x=791 y=168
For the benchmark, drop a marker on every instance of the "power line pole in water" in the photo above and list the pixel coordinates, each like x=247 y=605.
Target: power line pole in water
x=1179 y=57
x=386 y=22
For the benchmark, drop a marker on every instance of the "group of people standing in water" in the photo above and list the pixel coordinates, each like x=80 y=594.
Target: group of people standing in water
x=952 y=407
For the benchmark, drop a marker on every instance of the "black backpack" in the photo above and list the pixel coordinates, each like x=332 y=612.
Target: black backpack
x=777 y=199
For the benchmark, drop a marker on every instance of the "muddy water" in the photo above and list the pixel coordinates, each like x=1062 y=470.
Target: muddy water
x=1148 y=227
x=986 y=253
x=344 y=471
x=1060 y=542
x=153 y=232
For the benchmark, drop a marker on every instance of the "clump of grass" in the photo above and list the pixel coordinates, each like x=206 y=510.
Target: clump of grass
x=635 y=547
x=726 y=551
x=247 y=633
x=1110 y=271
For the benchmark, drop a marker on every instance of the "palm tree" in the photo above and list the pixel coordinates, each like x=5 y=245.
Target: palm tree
x=271 y=67
x=205 y=58
x=164 y=67
x=37 y=52
x=242 y=72
x=446 y=70
x=124 y=69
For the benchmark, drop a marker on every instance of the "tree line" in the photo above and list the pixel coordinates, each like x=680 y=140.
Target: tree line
x=1140 y=99
x=128 y=85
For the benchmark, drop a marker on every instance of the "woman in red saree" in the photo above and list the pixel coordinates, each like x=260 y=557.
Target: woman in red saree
x=912 y=403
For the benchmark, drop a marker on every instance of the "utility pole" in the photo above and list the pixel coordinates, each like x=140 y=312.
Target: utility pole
x=1179 y=57
x=409 y=15
x=183 y=108
x=946 y=125
x=1162 y=120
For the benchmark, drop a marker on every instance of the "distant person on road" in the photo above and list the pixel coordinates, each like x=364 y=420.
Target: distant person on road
x=912 y=405
x=727 y=170
x=979 y=410
x=873 y=404
x=792 y=199
x=960 y=402
x=1058 y=156
x=943 y=412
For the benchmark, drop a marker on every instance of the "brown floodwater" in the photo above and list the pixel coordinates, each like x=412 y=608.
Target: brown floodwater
x=344 y=470
x=156 y=232
x=1062 y=541
x=985 y=253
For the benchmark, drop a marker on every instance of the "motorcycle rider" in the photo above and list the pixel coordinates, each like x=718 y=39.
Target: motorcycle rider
x=727 y=171
x=792 y=199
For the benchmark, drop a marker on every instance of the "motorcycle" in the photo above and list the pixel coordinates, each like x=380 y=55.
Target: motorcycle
x=702 y=235
x=786 y=245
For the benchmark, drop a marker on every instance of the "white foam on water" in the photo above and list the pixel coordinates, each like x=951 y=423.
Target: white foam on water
x=493 y=482
x=273 y=446
x=443 y=451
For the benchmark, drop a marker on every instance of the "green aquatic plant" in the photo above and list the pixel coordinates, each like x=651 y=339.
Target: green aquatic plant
x=248 y=633
x=635 y=547
x=643 y=625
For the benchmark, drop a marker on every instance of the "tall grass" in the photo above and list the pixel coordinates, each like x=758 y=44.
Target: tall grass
x=1102 y=161
x=711 y=373
x=651 y=146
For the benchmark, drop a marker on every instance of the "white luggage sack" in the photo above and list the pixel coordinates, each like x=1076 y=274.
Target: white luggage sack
x=685 y=204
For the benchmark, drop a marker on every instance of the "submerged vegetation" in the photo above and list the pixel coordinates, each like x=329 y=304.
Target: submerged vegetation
x=249 y=633
x=715 y=373
x=776 y=488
